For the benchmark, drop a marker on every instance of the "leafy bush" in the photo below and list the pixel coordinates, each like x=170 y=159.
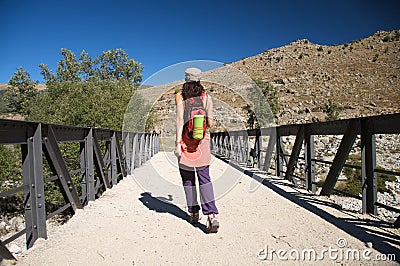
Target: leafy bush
x=332 y=110
x=4 y=106
x=11 y=177
x=353 y=184
x=21 y=92
x=271 y=96
x=151 y=121
x=382 y=178
x=112 y=65
x=386 y=38
x=10 y=167
x=90 y=103
x=252 y=119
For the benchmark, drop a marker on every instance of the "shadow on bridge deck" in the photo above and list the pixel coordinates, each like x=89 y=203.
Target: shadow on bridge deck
x=366 y=228
x=161 y=205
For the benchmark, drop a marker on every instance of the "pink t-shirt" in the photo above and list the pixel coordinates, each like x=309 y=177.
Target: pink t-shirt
x=202 y=155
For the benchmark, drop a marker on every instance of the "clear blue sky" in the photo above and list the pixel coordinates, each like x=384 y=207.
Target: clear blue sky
x=161 y=33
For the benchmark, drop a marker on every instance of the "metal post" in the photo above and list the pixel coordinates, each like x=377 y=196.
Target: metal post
x=157 y=143
x=246 y=147
x=218 y=143
x=368 y=161
x=154 y=143
x=225 y=146
x=121 y=166
x=146 y=147
x=141 y=149
x=32 y=172
x=151 y=148
x=83 y=172
x=134 y=152
x=232 y=146
x=309 y=159
x=278 y=158
x=5 y=253
x=270 y=149
x=258 y=146
x=154 y=139
x=113 y=153
x=89 y=167
x=240 y=149
x=58 y=166
x=107 y=162
x=99 y=162
x=126 y=149
x=294 y=156
x=340 y=158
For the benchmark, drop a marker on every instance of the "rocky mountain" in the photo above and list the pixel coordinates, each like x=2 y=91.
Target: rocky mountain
x=361 y=77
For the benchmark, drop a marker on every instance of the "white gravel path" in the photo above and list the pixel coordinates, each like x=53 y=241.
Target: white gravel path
x=132 y=225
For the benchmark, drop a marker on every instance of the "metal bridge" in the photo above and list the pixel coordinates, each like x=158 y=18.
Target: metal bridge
x=107 y=156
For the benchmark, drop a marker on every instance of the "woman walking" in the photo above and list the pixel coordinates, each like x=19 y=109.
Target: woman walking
x=193 y=152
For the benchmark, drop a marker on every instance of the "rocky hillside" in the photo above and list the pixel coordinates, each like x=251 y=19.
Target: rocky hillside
x=361 y=77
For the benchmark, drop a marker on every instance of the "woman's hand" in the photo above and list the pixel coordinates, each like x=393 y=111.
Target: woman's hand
x=178 y=150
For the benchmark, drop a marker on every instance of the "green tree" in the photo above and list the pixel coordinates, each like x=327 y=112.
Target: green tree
x=21 y=92
x=112 y=65
x=68 y=67
x=86 y=91
x=10 y=170
x=90 y=103
x=116 y=65
x=270 y=94
x=263 y=107
x=86 y=66
x=251 y=122
x=83 y=92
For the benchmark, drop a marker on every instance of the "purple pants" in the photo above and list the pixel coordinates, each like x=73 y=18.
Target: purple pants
x=205 y=187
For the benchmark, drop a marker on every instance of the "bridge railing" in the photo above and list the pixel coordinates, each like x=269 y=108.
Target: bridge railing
x=102 y=164
x=246 y=146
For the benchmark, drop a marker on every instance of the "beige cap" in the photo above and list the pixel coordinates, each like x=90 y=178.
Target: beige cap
x=192 y=74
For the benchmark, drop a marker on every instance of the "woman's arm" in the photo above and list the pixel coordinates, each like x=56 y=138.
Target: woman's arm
x=210 y=119
x=179 y=123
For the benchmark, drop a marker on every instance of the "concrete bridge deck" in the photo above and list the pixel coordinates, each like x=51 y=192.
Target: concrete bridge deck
x=144 y=222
